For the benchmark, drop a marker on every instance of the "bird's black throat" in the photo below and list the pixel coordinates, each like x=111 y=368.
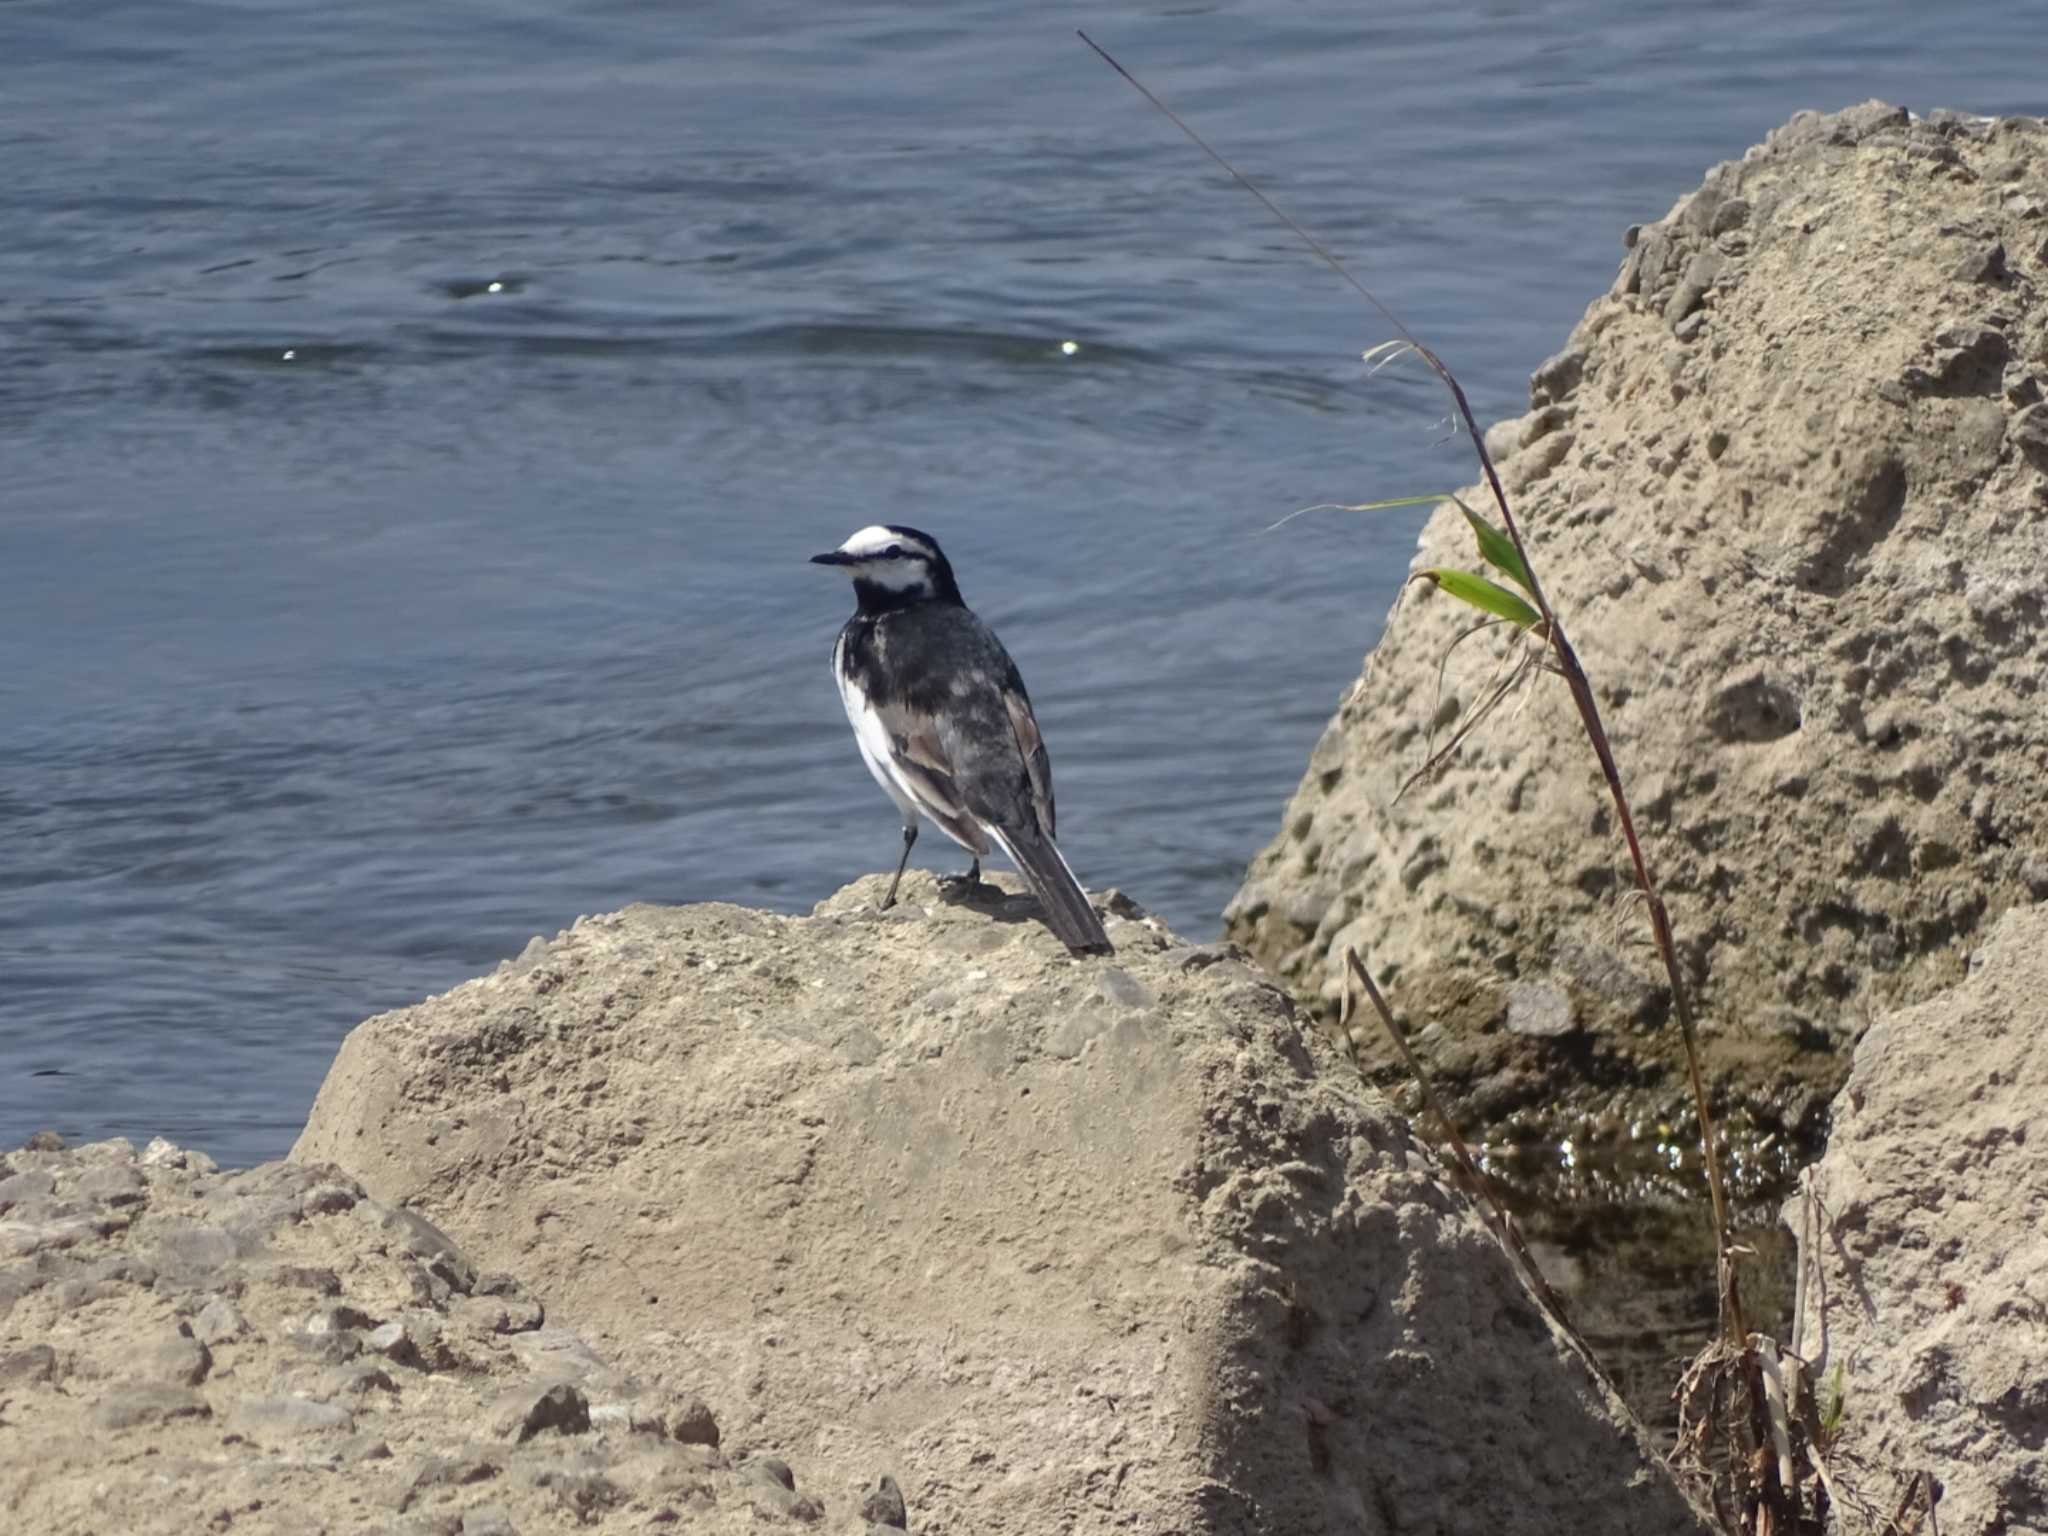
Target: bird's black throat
x=872 y=598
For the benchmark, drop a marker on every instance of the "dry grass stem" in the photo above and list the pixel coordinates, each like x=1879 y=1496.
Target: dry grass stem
x=1502 y=1222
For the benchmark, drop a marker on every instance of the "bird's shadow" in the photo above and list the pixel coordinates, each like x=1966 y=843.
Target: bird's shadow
x=989 y=899
x=929 y=893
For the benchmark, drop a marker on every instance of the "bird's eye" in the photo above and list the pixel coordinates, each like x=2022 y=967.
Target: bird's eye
x=893 y=552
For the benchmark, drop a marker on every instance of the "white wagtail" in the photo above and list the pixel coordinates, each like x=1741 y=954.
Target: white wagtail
x=944 y=723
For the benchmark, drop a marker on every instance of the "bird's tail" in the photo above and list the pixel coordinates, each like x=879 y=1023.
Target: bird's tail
x=1067 y=912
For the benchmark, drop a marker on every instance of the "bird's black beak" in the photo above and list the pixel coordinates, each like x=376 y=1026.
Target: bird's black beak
x=834 y=557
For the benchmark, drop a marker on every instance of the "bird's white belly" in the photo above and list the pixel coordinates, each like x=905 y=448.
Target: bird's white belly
x=866 y=728
x=878 y=752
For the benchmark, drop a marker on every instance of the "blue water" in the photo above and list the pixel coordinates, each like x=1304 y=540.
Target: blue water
x=359 y=620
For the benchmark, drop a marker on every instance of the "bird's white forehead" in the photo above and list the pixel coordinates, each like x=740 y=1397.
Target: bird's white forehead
x=874 y=538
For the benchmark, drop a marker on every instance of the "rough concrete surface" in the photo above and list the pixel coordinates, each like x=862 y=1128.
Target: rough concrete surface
x=1787 y=483
x=1062 y=1245
x=1924 y=1273
x=184 y=1350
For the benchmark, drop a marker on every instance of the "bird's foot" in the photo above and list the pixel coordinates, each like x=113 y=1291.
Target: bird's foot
x=968 y=886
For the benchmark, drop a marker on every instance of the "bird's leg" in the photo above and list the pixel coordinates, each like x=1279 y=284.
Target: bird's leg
x=965 y=884
x=909 y=838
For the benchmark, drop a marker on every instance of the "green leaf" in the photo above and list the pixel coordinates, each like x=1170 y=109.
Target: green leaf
x=1497 y=549
x=1486 y=596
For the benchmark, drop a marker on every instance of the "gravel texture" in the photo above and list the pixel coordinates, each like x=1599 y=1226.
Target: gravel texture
x=184 y=1350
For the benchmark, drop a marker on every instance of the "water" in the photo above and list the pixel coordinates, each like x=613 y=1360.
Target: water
x=360 y=618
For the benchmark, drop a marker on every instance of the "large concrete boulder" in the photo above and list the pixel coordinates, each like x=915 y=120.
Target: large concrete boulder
x=1924 y=1257
x=1788 y=484
x=1065 y=1246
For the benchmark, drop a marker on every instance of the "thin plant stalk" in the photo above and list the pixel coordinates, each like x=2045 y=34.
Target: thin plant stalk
x=1730 y=1302
x=1510 y=1234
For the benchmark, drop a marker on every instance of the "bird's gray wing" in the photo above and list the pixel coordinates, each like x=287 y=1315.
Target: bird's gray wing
x=918 y=754
x=1037 y=763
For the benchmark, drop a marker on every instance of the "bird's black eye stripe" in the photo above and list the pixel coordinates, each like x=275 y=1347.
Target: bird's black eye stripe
x=893 y=552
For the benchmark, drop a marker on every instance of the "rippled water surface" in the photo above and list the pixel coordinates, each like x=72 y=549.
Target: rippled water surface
x=414 y=420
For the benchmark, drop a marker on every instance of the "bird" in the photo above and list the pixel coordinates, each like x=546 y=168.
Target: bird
x=944 y=724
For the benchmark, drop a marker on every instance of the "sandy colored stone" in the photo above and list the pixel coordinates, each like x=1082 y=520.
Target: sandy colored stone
x=1060 y=1245
x=1797 y=545
x=531 y=1409
x=218 y=1321
x=692 y=1423
x=112 y=1418
x=1924 y=1259
x=131 y=1404
x=180 y=1360
x=883 y=1504
x=38 y=1362
x=283 y=1416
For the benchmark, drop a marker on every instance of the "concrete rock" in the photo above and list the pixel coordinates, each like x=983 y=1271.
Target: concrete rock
x=768 y=1470
x=460 y=1469
x=219 y=1321
x=128 y=1407
x=357 y=1379
x=1924 y=1249
x=628 y=1417
x=114 y=1418
x=270 y=1416
x=114 y=1185
x=393 y=1342
x=488 y=1520
x=323 y=1342
x=181 y=1361
x=1067 y=1252
x=36 y=1363
x=1540 y=1009
x=421 y=1239
x=883 y=1505
x=32 y=1185
x=328 y=1199
x=692 y=1423
x=1800 y=559
x=162 y=1153
x=531 y=1409
x=500 y=1314
x=360 y=1448
x=191 y=1254
x=320 y=1279
x=30 y=1231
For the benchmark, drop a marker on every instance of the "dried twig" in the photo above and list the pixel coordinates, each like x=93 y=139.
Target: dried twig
x=1471 y=719
x=1896 y=1526
x=1780 y=1421
x=1503 y=1223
